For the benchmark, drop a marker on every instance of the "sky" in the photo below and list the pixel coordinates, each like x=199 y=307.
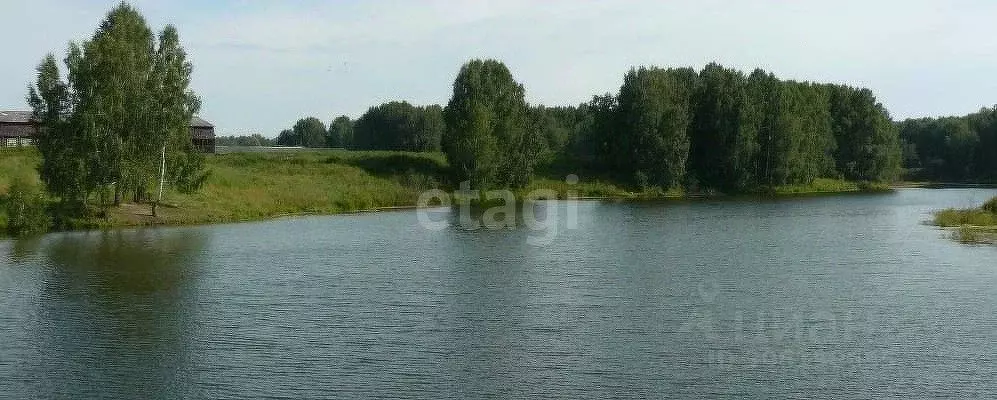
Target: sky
x=261 y=65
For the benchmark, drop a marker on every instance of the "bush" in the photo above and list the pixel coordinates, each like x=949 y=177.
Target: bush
x=973 y=217
x=25 y=209
x=974 y=235
x=991 y=206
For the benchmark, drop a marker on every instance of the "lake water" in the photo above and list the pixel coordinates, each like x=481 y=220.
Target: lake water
x=824 y=297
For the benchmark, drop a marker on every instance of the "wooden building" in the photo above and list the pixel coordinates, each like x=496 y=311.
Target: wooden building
x=202 y=134
x=18 y=129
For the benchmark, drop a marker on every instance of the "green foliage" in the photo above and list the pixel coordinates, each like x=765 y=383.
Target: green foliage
x=399 y=126
x=24 y=205
x=723 y=137
x=246 y=141
x=125 y=101
x=977 y=225
x=487 y=141
x=804 y=132
x=246 y=186
x=652 y=145
x=712 y=130
x=984 y=124
x=584 y=189
x=822 y=185
x=593 y=141
x=867 y=138
x=395 y=163
x=952 y=148
x=340 y=133
x=310 y=132
x=553 y=128
x=990 y=206
x=971 y=217
x=721 y=130
x=287 y=137
x=65 y=162
x=18 y=163
x=306 y=132
x=975 y=235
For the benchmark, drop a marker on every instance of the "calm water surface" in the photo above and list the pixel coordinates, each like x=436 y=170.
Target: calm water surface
x=829 y=297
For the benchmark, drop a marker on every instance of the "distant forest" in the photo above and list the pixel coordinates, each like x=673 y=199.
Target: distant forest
x=716 y=128
x=956 y=149
x=255 y=139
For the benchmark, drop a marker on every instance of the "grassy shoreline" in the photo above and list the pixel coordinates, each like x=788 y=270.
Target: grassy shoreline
x=247 y=187
x=971 y=226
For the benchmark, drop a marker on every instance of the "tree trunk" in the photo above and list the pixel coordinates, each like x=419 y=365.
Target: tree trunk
x=162 y=179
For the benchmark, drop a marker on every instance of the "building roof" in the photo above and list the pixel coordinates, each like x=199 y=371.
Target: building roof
x=197 y=122
x=15 y=117
x=24 y=117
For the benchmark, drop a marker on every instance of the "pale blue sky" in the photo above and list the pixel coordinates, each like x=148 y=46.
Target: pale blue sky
x=260 y=65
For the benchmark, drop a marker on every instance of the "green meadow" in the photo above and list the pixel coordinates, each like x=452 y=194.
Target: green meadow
x=259 y=185
x=974 y=225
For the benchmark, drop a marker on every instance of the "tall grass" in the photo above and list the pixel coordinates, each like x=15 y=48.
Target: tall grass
x=975 y=225
x=248 y=186
x=18 y=163
x=564 y=189
x=17 y=169
x=258 y=185
x=972 y=217
x=829 y=185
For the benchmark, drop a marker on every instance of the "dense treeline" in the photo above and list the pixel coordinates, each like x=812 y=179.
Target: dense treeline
x=121 y=115
x=395 y=125
x=399 y=126
x=952 y=148
x=340 y=132
x=307 y=132
x=714 y=129
x=255 y=139
x=722 y=129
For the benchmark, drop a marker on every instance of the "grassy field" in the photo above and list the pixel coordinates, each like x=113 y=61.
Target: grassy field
x=16 y=163
x=251 y=186
x=975 y=225
x=826 y=185
x=254 y=186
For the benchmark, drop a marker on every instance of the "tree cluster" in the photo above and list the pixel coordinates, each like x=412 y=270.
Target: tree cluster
x=488 y=139
x=951 y=148
x=307 y=132
x=395 y=125
x=399 y=126
x=255 y=139
x=126 y=101
x=717 y=128
x=722 y=129
x=340 y=132
x=713 y=129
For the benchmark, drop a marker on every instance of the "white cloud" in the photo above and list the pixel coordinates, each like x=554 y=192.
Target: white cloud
x=261 y=65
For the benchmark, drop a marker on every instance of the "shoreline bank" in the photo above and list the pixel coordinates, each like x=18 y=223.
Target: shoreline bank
x=131 y=215
x=970 y=225
x=250 y=187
